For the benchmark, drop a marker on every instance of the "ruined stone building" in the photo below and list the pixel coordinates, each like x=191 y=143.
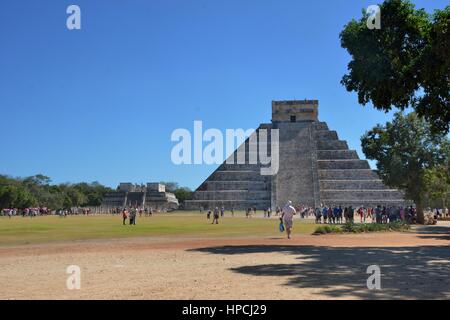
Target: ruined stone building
x=152 y=195
x=315 y=168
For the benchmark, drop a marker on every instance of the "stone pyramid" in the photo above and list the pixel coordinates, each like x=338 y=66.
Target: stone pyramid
x=315 y=168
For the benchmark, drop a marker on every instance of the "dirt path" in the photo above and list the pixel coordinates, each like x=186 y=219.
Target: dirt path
x=413 y=265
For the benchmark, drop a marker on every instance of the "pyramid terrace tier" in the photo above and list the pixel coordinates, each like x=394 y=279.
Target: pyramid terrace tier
x=349 y=164
x=212 y=185
x=366 y=203
x=327 y=135
x=227 y=204
x=256 y=195
x=240 y=167
x=337 y=155
x=237 y=175
x=361 y=195
x=332 y=145
x=345 y=174
x=373 y=184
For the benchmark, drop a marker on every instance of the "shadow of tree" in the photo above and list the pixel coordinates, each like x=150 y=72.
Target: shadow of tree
x=432 y=229
x=433 y=232
x=340 y=272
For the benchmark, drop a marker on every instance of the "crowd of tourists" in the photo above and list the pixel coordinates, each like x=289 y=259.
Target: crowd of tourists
x=43 y=211
x=216 y=213
x=141 y=211
x=378 y=214
x=132 y=213
x=438 y=213
x=26 y=212
x=330 y=214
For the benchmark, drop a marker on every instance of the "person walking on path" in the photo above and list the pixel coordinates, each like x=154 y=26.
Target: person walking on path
x=287 y=215
x=318 y=214
x=216 y=216
x=133 y=216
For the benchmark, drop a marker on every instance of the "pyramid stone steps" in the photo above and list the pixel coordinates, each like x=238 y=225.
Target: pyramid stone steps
x=343 y=174
x=221 y=195
x=331 y=145
x=236 y=175
x=337 y=154
x=321 y=126
x=251 y=156
x=327 y=135
x=234 y=185
x=352 y=185
x=343 y=164
x=231 y=195
x=227 y=204
x=240 y=167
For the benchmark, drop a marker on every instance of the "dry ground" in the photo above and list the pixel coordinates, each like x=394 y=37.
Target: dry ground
x=413 y=265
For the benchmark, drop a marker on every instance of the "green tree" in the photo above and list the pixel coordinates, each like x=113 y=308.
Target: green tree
x=93 y=193
x=13 y=196
x=76 y=197
x=183 y=194
x=8 y=181
x=37 y=180
x=8 y=196
x=404 y=150
x=437 y=180
x=404 y=64
x=37 y=191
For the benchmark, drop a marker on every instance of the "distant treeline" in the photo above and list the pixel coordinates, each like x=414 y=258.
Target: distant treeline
x=37 y=191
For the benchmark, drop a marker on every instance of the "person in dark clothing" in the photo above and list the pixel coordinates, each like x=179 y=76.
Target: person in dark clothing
x=124 y=215
x=351 y=214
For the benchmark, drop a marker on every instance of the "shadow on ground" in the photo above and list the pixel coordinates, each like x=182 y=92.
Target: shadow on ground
x=433 y=232
x=436 y=229
x=340 y=272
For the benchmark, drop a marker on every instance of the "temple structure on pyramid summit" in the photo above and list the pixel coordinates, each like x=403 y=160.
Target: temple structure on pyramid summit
x=315 y=168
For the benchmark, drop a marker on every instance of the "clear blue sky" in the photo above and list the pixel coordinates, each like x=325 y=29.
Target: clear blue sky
x=100 y=103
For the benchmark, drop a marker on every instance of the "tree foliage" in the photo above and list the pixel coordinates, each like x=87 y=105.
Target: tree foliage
x=404 y=64
x=437 y=180
x=183 y=194
x=37 y=191
x=405 y=150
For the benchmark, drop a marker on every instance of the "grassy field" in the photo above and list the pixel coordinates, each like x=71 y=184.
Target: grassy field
x=18 y=230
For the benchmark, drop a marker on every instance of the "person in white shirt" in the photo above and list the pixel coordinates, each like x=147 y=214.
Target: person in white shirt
x=288 y=213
